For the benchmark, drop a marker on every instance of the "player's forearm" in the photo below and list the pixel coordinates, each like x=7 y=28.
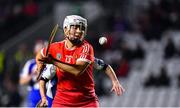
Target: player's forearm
x=39 y=64
x=110 y=73
x=73 y=69
x=24 y=81
x=42 y=88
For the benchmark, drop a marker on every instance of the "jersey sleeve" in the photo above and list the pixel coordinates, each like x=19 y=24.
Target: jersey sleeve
x=86 y=53
x=51 y=50
x=99 y=64
x=49 y=71
x=27 y=69
x=43 y=51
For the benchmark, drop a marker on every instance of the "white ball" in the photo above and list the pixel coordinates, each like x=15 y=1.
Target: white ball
x=102 y=40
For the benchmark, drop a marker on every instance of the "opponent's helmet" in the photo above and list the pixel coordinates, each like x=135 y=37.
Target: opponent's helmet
x=75 y=20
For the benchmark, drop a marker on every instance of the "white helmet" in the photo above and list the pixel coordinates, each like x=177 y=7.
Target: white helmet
x=74 y=20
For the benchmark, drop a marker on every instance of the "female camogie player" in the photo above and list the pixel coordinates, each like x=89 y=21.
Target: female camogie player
x=74 y=58
x=49 y=77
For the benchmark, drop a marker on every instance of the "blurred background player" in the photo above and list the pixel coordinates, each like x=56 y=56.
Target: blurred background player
x=49 y=76
x=28 y=77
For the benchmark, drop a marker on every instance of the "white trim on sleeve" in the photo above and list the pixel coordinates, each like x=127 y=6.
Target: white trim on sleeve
x=85 y=60
x=42 y=52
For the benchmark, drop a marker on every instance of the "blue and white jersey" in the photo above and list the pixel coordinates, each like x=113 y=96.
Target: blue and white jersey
x=29 y=69
x=50 y=74
x=99 y=64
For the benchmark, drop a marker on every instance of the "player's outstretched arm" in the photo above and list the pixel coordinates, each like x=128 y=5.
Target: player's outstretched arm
x=116 y=86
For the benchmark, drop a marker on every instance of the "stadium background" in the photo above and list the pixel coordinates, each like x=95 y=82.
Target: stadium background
x=143 y=46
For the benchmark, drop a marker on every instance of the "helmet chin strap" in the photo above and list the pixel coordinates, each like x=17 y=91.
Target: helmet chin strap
x=74 y=41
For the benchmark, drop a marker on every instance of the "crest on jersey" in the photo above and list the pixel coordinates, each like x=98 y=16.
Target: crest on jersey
x=58 y=56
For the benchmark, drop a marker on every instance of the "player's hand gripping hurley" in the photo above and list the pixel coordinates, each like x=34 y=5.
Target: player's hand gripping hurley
x=52 y=35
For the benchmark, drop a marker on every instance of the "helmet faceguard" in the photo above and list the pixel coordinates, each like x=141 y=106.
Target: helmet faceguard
x=74 y=20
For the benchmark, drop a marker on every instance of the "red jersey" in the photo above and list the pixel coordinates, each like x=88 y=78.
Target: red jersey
x=74 y=91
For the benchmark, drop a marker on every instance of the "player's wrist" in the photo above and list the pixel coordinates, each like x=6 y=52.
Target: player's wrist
x=115 y=81
x=43 y=97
